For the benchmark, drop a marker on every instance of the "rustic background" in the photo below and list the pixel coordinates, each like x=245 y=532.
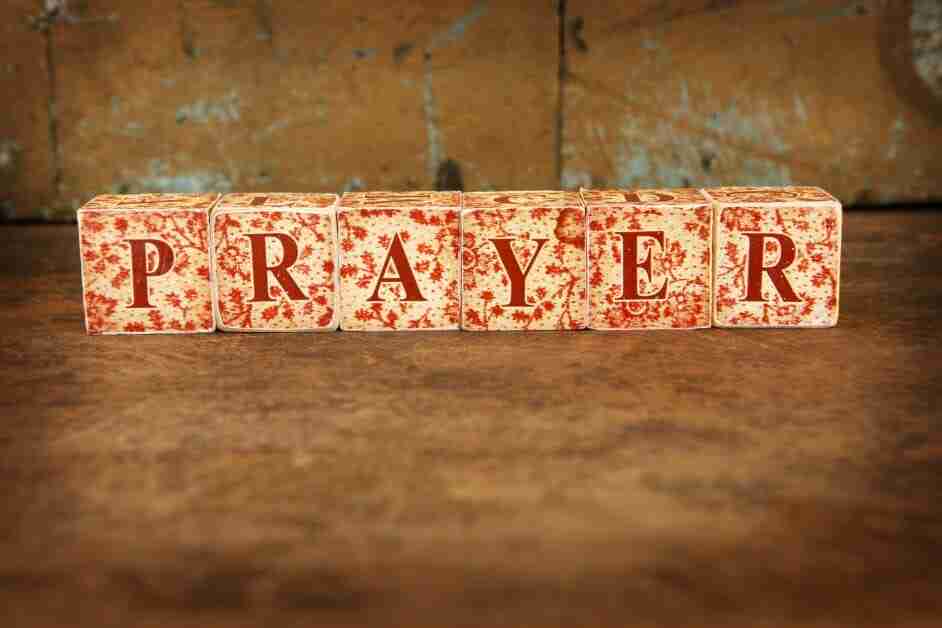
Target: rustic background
x=220 y=95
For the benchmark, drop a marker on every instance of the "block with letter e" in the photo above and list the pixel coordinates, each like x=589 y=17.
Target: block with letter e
x=778 y=257
x=524 y=261
x=649 y=259
x=145 y=263
x=275 y=262
x=399 y=264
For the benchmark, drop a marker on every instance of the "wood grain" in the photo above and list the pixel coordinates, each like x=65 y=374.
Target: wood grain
x=727 y=478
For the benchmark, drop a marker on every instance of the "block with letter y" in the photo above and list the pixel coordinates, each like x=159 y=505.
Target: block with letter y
x=649 y=259
x=145 y=263
x=778 y=257
x=399 y=265
x=275 y=262
x=524 y=261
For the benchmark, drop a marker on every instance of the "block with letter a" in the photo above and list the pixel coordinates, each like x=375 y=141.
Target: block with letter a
x=275 y=262
x=145 y=263
x=778 y=257
x=649 y=259
x=524 y=261
x=399 y=262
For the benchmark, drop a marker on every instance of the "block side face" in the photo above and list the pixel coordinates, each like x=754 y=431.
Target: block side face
x=523 y=198
x=171 y=292
x=553 y=294
x=151 y=202
x=401 y=200
x=275 y=270
x=675 y=243
x=265 y=200
x=769 y=195
x=659 y=196
x=806 y=293
x=399 y=269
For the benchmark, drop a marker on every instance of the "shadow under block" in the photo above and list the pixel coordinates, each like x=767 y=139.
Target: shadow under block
x=778 y=257
x=399 y=261
x=275 y=262
x=649 y=259
x=145 y=263
x=524 y=261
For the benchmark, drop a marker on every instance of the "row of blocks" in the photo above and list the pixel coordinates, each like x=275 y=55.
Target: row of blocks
x=384 y=261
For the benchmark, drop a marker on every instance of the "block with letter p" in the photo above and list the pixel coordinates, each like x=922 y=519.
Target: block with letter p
x=145 y=263
x=778 y=257
x=275 y=262
x=524 y=261
x=399 y=260
x=649 y=259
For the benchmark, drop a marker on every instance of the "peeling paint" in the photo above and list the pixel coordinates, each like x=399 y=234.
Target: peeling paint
x=161 y=180
x=227 y=109
x=800 y=110
x=353 y=185
x=454 y=32
x=897 y=138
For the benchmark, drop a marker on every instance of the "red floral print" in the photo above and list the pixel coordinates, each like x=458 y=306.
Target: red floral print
x=179 y=299
x=308 y=220
x=681 y=267
x=548 y=225
x=426 y=226
x=811 y=218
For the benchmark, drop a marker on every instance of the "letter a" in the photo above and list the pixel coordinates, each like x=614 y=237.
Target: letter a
x=139 y=272
x=630 y=266
x=404 y=275
x=260 y=267
x=756 y=266
x=518 y=278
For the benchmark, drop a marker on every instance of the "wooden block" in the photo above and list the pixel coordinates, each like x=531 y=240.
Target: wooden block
x=145 y=263
x=649 y=259
x=778 y=257
x=275 y=262
x=524 y=261
x=399 y=264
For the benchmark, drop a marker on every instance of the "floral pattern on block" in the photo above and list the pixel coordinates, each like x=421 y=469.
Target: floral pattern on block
x=430 y=239
x=313 y=272
x=814 y=275
x=751 y=195
x=180 y=298
x=682 y=267
x=556 y=283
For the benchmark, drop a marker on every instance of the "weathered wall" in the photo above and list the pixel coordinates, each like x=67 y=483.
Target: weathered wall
x=115 y=95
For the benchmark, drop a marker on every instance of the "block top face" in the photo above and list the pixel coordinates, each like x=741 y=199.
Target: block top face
x=263 y=201
x=768 y=195
x=397 y=200
x=151 y=202
x=537 y=198
x=674 y=197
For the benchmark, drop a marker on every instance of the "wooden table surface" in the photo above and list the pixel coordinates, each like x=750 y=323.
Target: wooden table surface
x=734 y=478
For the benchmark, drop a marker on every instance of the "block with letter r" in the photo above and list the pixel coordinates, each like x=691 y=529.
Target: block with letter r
x=145 y=263
x=778 y=257
x=275 y=262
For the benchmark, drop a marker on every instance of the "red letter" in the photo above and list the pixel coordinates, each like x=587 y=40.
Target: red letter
x=518 y=278
x=260 y=267
x=397 y=254
x=139 y=272
x=756 y=266
x=630 y=265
